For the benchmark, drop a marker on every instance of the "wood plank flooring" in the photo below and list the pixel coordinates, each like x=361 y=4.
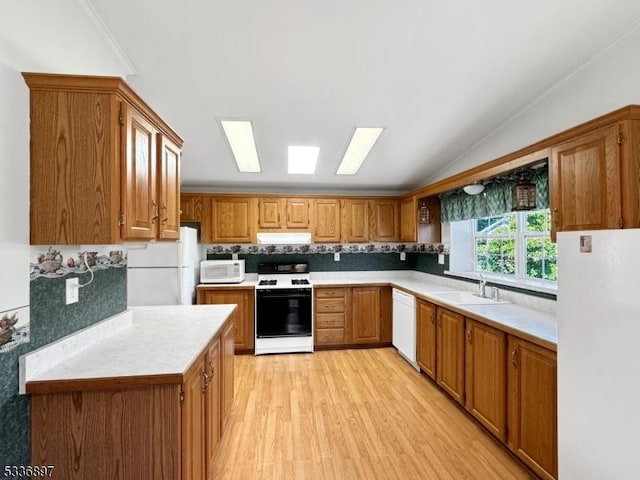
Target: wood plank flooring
x=350 y=414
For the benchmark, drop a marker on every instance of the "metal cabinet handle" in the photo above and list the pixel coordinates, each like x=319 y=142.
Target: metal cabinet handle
x=514 y=358
x=155 y=211
x=165 y=215
x=433 y=320
x=212 y=369
x=469 y=335
x=555 y=216
x=205 y=384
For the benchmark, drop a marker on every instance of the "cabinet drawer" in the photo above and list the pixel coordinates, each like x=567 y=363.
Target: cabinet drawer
x=330 y=293
x=330 y=305
x=330 y=320
x=331 y=336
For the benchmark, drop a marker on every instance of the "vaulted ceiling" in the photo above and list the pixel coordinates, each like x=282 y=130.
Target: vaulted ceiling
x=439 y=76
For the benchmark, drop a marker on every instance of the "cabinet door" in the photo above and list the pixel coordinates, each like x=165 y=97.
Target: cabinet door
x=168 y=189
x=141 y=211
x=427 y=338
x=297 y=213
x=384 y=220
x=532 y=406
x=193 y=430
x=485 y=377
x=269 y=213
x=232 y=219
x=356 y=220
x=366 y=314
x=584 y=177
x=244 y=324
x=327 y=220
x=226 y=394
x=408 y=219
x=196 y=207
x=212 y=404
x=450 y=347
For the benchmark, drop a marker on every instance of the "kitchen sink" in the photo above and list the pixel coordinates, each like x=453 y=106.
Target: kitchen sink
x=465 y=298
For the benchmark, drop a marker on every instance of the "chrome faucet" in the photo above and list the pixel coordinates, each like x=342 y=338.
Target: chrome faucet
x=482 y=286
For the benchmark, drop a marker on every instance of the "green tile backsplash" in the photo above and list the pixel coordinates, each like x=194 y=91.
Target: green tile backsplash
x=51 y=319
x=324 y=262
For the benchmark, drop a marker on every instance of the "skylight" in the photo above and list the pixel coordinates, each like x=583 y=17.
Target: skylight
x=240 y=137
x=361 y=143
x=303 y=159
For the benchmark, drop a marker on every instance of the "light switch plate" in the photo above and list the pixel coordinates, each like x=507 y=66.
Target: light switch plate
x=403 y=256
x=336 y=257
x=72 y=291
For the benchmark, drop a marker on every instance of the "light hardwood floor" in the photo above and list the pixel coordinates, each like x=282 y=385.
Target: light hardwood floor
x=350 y=414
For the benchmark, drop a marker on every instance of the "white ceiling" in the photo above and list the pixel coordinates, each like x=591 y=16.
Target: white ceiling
x=439 y=76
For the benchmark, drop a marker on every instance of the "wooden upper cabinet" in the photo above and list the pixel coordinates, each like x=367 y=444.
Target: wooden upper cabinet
x=168 y=189
x=485 y=376
x=408 y=219
x=356 y=220
x=196 y=208
x=365 y=314
x=298 y=213
x=269 y=210
x=327 y=220
x=233 y=219
x=427 y=334
x=384 y=220
x=283 y=213
x=94 y=163
x=450 y=358
x=584 y=181
x=533 y=406
x=141 y=208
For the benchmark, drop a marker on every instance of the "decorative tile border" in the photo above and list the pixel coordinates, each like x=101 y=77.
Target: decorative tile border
x=14 y=328
x=57 y=263
x=327 y=248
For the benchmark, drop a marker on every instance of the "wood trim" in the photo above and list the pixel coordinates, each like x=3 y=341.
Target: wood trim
x=105 y=383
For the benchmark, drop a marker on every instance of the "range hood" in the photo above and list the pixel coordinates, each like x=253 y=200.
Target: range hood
x=284 y=238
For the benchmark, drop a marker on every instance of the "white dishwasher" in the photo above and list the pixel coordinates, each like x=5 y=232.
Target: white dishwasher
x=404 y=326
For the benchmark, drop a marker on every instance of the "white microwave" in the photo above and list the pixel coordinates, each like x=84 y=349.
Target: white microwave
x=221 y=271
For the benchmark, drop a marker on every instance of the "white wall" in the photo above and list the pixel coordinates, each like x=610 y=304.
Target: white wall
x=608 y=82
x=14 y=190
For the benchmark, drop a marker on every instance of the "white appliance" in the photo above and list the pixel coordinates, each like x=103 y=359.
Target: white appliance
x=598 y=312
x=284 y=308
x=404 y=326
x=222 y=271
x=164 y=273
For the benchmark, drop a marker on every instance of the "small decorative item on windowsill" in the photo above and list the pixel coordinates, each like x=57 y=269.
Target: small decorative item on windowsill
x=424 y=215
x=524 y=195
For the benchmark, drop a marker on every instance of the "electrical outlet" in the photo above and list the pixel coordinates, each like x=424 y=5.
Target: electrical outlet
x=234 y=256
x=441 y=258
x=403 y=256
x=72 y=291
x=336 y=257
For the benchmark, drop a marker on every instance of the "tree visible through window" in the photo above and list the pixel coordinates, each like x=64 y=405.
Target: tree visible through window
x=516 y=244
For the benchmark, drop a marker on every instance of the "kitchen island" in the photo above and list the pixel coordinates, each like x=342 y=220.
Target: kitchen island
x=147 y=399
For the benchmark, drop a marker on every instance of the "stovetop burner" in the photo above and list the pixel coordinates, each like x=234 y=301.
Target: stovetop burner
x=267 y=282
x=299 y=281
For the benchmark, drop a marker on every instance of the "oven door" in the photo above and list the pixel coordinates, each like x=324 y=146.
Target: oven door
x=284 y=312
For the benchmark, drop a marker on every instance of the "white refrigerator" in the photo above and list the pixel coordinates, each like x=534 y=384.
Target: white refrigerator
x=598 y=311
x=164 y=273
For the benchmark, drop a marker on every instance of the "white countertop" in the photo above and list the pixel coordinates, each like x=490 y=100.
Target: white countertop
x=513 y=317
x=163 y=340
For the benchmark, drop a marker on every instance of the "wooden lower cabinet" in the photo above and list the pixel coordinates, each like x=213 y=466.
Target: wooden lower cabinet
x=426 y=337
x=137 y=430
x=244 y=298
x=348 y=316
x=532 y=406
x=450 y=353
x=226 y=385
x=485 y=376
x=366 y=314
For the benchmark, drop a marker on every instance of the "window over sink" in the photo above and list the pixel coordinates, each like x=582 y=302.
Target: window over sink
x=513 y=248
